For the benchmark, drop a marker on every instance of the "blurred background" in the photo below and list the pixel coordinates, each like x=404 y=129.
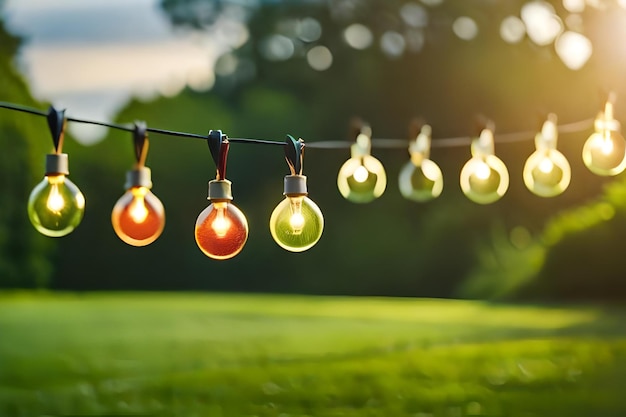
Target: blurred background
x=265 y=69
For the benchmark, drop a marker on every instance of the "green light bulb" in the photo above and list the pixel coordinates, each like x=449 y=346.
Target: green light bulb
x=484 y=178
x=362 y=178
x=56 y=206
x=547 y=172
x=296 y=223
x=420 y=179
x=604 y=152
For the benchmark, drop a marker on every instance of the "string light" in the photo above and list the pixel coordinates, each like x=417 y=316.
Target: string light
x=547 y=172
x=362 y=178
x=604 y=153
x=420 y=179
x=221 y=229
x=138 y=217
x=56 y=205
x=296 y=223
x=484 y=178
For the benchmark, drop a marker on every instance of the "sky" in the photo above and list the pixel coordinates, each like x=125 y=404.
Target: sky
x=90 y=57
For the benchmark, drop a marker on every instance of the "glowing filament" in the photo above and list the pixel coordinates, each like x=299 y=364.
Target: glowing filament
x=138 y=210
x=296 y=220
x=220 y=224
x=360 y=174
x=55 y=202
x=482 y=171
x=546 y=166
x=606 y=145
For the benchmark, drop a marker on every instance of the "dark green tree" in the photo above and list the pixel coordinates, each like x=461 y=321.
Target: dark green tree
x=25 y=255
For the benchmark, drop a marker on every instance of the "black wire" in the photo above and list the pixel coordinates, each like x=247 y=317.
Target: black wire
x=24 y=109
x=331 y=144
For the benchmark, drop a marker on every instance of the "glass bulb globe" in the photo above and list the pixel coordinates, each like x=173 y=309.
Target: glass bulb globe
x=604 y=153
x=362 y=179
x=221 y=230
x=420 y=182
x=56 y=206
x=296 y=223
x=484 y=179
x=138 y=217
x=547 y=172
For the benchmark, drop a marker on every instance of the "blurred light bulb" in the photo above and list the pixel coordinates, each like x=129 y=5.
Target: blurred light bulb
x=221 y=229
x=604 y=152
x=484 y=178
x=420 y=179
x=56 y=206
x=138 y=217
x=547 y=172
x=296 y=223
x=361 y=178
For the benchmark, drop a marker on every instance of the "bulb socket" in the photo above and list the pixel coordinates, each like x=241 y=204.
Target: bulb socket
x=138 y=177
x=607 y=124
x=220 y=190
x=57 y=164
x=295 y=185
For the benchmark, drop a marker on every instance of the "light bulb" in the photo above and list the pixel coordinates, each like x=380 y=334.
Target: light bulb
x=221 y=229
x=484 y=178
x=420 y=179
x=547 y=172
x=138 y=217
x=296 y=223
x=604 y=152
x=56 y=206
x=361 y=178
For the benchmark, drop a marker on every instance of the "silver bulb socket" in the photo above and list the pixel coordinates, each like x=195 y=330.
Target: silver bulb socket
x=57 y=164
x=220 y=190
x=138 y=177
x=295 y=185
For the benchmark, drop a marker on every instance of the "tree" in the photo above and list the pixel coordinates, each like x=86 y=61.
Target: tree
x=25 y=255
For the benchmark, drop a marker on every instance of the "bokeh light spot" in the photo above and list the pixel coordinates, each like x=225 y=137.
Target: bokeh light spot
x=309 y=29
x=512 y=29
x=277 y=48
x=414 y=15
x=319 y=58
x=358 y=36
x=392 y=44
x=465 y=28
x=574 y=49
x=542 y=23
x=574 y=6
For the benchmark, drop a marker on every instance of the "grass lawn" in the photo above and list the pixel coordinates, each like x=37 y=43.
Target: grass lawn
x=194 y=354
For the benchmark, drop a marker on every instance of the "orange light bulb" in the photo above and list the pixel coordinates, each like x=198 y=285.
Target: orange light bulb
x=138 y=217
x=221 y=229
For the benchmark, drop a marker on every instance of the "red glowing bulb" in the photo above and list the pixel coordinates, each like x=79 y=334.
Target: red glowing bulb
x=138 y=217
x=221 y=230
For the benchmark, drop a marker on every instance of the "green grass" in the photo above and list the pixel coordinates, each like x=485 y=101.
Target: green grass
x=189 y=355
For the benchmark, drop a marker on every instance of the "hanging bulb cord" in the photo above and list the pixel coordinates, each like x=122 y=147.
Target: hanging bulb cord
x=219 y=145
x=388 y=143
x=140 y=143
